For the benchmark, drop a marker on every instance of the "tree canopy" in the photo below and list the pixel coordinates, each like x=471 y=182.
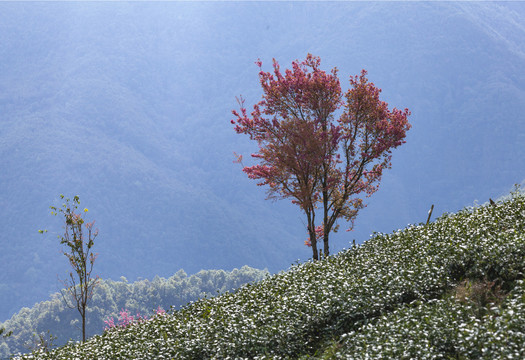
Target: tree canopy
x=320 y=147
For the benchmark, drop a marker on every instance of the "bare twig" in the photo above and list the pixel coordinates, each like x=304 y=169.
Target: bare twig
x=430 y=213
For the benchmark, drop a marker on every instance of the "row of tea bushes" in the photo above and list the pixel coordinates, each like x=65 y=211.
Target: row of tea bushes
x=441 y=329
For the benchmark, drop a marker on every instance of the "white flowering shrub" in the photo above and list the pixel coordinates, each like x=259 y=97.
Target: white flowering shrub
x=393 y=297
x=441 y=329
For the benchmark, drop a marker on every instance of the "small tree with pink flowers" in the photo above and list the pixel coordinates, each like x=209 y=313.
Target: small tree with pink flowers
x=78 y=240
x=317 y=146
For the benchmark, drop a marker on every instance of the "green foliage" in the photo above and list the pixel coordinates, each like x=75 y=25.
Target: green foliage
x=396 y=296
x=2 y=330
x=442 y=329
x=42 y=342
x=110 y=297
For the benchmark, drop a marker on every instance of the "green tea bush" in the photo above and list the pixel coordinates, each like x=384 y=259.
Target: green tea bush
x=392 y=297
x=441 y=329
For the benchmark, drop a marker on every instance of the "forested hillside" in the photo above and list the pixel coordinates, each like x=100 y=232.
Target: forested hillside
x=110 y=297
x=451 y=289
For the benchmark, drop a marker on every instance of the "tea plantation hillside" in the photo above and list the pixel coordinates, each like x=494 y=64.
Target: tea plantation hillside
x=450 y=289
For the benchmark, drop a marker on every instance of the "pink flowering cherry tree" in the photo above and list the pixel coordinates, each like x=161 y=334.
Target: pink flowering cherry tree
x=322 y=149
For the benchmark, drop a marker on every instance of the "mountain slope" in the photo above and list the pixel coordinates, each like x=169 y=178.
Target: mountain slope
x=452 y=288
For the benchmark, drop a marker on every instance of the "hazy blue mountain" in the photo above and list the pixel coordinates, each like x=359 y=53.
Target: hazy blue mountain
x=128 y=106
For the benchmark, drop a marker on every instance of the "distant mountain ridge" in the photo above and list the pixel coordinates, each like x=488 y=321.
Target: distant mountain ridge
x=128 y=105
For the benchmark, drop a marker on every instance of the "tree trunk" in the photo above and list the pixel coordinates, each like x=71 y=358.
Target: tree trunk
x=310 y=215
x=326 y=227
x=326 y=249
x=84 y=325
x=313 y=241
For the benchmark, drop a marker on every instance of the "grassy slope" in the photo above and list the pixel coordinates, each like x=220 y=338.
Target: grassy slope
x=452 y=289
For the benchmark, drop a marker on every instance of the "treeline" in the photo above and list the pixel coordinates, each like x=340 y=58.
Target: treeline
x=142 y=297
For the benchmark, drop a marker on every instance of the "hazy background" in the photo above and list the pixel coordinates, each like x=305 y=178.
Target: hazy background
x=128 y=105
